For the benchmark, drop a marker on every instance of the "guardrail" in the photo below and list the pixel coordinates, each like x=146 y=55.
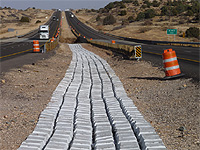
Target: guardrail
x=192 y=44
x=126 y=50
x=53 y=42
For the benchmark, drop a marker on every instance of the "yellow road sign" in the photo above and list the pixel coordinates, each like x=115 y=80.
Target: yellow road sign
x=138 y=51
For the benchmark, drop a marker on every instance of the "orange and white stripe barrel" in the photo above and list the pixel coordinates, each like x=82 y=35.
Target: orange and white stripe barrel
x=36 y=46
x=171 y=65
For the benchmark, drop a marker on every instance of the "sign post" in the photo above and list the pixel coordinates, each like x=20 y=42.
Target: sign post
x=172 y=32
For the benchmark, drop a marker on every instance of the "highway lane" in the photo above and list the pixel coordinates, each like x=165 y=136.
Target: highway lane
x=188 y=57
x=85 y=30
x=23 y=44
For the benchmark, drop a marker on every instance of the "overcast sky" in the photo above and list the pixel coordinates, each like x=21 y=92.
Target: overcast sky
x=49 y=4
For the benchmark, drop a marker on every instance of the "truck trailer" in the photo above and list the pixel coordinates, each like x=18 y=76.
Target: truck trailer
x=44 y=32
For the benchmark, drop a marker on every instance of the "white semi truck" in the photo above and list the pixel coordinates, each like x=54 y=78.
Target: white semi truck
x=44 y=32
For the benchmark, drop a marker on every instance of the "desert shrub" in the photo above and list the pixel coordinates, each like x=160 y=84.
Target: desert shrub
x=180 y=8
x=165 y=10
x=136 y=3
x=195 y=7
x=150 y=13
x=122 y=13
x=109 y=20
x=144 y=6
x=155 y=3
x=190 y=13
x=38 y=21
x=192 y=32
x=24 y=19
x=98 y=18
x=140 y=16
x=130 y=19
x=122 y=5
x=174 y=11
x=147 y=3
x=148 y=23
x=109 y=6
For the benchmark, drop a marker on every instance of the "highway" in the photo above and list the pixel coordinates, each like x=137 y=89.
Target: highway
x=14 y=47
x=188 y=57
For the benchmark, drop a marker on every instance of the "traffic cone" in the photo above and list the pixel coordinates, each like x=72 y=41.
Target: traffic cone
x=113 y=41
x=36 y=46
x=172 y=69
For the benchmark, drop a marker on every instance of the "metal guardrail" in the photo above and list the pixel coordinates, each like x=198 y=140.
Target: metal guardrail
x=126 y=50
x=192 y=44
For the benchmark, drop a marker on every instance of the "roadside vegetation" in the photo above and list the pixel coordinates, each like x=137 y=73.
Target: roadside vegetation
x=160 y=13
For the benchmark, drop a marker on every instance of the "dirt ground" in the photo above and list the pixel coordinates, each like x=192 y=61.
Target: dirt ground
x=167 y=105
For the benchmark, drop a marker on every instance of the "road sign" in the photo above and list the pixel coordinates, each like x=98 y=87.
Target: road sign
x=172 y=31
x=138 y=51
x=183 y=34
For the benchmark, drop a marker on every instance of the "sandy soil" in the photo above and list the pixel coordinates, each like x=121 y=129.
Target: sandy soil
x=167 y=105
x=10 y=19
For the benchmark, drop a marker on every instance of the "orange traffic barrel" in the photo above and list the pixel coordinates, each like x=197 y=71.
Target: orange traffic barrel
x=36 y=46
x=91 y=39
x=172 y=69
x=113 y=41
x=52 y=39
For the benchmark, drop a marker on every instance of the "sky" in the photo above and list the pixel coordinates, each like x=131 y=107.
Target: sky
x=57 y=4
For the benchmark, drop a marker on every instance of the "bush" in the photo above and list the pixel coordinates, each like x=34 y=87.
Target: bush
x=136 y=3
x=130 y=19
x=147 y=3
x=150 y=13
x=109 y=20
x=98 y=18
x=122 y=5
x=24 y=19
x=165 y=10
x=122 y=13
x=38 y=21
x=155 y=3
x=190 y=13
x=192 y=32
x=140 y=16
x=109 y=6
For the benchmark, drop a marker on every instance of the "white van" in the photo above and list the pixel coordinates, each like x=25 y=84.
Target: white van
x=44 y=32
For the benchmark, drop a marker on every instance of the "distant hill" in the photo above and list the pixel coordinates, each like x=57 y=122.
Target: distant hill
x=143 y=16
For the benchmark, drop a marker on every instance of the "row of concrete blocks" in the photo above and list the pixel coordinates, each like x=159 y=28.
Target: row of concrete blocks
x=145 y=133
x=38 y=139
x=33 y=139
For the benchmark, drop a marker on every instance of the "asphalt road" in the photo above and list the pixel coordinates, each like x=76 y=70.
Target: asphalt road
x=23 y=45
x=188 y=57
